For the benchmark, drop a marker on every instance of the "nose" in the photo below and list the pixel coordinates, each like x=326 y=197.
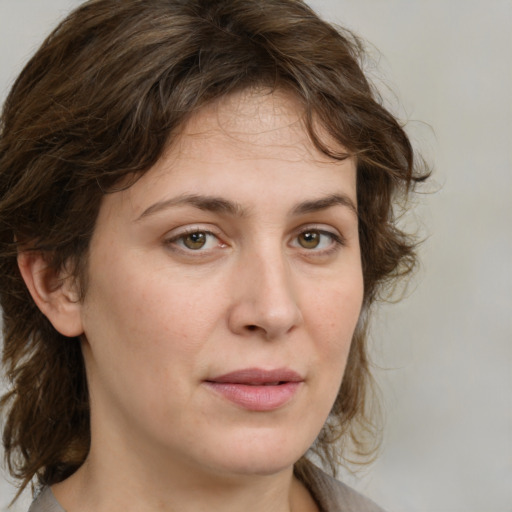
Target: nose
x=264 y=297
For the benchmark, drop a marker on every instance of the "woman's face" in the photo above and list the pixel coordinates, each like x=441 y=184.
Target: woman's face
x=223 y=291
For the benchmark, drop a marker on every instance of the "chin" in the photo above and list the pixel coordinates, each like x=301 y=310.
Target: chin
x=255 y=466
x=261 y=456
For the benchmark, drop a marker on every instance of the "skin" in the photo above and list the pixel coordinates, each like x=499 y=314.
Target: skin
x=276 y=284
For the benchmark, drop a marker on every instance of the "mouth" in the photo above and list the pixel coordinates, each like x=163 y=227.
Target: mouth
x=265 y=383
x=257 y=390
x=259 y=377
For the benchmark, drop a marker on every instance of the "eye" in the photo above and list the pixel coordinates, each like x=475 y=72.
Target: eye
x=195 y=241
x=317 y=240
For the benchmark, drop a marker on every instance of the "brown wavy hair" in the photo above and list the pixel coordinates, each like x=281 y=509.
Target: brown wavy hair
x=97 y=104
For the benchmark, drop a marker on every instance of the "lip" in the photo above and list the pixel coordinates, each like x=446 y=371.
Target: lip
x=256 y=389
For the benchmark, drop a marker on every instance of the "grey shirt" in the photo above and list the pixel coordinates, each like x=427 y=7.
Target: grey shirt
x=330 y=495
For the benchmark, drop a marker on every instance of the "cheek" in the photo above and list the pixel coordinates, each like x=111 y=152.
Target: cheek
x=332 y=319
x=149 y=321
x=141 y=341
x=336 y=309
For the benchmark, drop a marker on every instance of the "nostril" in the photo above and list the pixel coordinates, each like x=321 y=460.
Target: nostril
x=252 y=327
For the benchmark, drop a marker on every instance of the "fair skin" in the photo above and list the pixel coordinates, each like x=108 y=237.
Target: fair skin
x=237 y=252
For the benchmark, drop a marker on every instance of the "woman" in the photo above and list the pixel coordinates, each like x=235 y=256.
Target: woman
x=196 y=217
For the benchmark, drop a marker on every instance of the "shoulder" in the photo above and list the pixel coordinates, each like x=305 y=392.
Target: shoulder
x=333 y=495
x=45 y=502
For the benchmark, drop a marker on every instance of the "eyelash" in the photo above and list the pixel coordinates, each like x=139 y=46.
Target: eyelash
x=177 y=242
x=336 y=240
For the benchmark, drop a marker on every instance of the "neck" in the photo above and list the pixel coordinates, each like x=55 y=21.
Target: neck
x=126 y=472
x=130 y=486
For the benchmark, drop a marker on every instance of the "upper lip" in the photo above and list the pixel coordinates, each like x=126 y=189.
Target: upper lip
x=258 y=376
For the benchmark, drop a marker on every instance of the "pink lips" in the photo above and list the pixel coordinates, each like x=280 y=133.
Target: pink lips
x=256 y=389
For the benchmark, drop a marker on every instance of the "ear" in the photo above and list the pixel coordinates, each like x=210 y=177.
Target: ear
x=55 y=293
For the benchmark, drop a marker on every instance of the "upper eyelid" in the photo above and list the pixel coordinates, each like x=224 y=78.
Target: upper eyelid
x=322 y=228
x=172 y=241
x=207 y=228
x=185 y=230
x=188 y=229
x=336 y=237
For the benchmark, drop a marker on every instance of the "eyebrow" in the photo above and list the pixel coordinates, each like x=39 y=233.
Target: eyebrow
x=207 y=203
x=220 y=205
x=324 y=203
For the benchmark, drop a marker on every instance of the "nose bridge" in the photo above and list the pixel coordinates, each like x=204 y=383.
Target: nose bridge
x=274 y=276
x=267 y=300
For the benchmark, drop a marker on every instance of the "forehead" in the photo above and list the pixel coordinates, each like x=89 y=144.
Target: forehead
x=252 y=123
x=249 y=147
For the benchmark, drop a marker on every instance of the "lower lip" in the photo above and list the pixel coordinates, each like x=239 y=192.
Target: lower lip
x=256 y=398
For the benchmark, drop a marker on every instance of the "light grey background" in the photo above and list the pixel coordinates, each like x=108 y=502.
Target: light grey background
x=446 y=351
